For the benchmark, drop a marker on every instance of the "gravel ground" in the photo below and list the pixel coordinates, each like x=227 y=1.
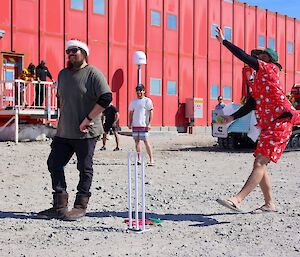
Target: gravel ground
x=181 y=189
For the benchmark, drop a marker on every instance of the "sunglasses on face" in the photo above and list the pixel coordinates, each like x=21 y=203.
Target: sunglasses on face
x=72 y=50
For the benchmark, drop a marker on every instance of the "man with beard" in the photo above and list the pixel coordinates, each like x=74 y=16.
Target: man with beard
x=82 y=94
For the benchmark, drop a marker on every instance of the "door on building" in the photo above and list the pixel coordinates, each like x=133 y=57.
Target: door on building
x=12 y=65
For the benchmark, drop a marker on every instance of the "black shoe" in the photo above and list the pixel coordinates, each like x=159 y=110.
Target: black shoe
x=117 y=149
x=103 y=148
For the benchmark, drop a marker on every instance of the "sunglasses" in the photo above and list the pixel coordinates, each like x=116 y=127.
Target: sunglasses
x=72 y=50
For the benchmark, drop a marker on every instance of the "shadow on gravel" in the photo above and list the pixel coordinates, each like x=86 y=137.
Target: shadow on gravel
x=203 y=220
x=18 y=215
x=209 y=149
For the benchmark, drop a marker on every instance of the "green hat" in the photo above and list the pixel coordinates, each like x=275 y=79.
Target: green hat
x=273 y=54
x=256 y=52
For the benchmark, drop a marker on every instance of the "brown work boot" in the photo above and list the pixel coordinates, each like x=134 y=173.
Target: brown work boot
x=59 y=209
x=79 y=209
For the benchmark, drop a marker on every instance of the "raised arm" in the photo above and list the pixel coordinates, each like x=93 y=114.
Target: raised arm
x=236 y=51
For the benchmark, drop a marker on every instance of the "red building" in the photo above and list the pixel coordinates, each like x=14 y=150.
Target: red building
x=184 y=59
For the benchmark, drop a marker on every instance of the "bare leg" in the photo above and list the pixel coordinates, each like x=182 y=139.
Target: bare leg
x=149 y=150
x=138 y=148
x=116 y=138
x=266 y=188
x=255 y=178
x=104 y=139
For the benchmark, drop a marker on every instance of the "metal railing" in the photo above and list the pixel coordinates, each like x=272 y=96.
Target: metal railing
x=20 y=94
x=28 y=98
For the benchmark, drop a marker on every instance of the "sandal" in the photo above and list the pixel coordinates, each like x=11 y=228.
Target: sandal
x=263 y=209
x=229 y=204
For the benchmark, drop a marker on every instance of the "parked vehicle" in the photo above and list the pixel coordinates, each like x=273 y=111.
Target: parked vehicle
x=242 y=132
x=239 y=133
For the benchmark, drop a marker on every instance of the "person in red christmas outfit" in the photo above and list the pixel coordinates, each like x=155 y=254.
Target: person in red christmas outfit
x=275 y=118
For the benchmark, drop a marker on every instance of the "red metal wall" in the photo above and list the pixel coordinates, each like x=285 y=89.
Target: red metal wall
x=239 y=40
x=25 y=29
x=154 y=50
x=186 y=88
x=170 y=60
x=136 y=42
x=201 y=34
x=118 y=36
x=5 y=19
x=187 y=55
x=290 y=56
x=75 y=22
x=214 y=56
x=250 y=28
x=226 y=57
x=51 y=40
x=281 y=46
x=271 y=28
x=98 y=38
x=261 y=26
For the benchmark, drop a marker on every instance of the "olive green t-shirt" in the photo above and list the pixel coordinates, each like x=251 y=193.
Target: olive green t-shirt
x=78 y=92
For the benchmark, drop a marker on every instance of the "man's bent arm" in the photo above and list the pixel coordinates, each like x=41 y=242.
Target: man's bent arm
x=103 y=102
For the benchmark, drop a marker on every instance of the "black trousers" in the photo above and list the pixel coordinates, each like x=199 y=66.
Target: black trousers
x=62 y=149
x=39 y=94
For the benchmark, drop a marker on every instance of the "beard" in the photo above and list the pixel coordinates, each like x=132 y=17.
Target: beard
x=74 y=64
x=77 y=64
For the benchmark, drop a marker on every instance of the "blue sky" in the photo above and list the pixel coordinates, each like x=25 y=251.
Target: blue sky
x=288 y=7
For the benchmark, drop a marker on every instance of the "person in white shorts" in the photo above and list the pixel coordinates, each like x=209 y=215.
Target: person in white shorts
x=140 y=118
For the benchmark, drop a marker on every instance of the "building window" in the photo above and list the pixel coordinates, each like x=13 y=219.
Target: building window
x=99 y=6
x=9 y=75
x=227 y=93
x=155 y=86
x=272 y=43
x=261 y=41
x=155 y=18
x=172 y=90
x=213 y=29
x=228 y=33
x=172 y=21
x=77 y=5
x=290 y=47
x=214 y=91
x=229 y=1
